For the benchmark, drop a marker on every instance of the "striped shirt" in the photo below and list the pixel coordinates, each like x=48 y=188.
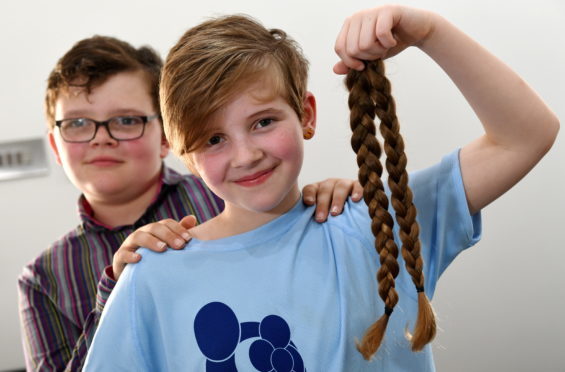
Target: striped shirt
x=63 y=291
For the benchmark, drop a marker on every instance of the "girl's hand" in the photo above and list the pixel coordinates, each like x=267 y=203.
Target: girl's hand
x=380 y=32
x=155 y=236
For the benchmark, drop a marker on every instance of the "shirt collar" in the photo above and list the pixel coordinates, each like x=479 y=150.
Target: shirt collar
x=168 y=179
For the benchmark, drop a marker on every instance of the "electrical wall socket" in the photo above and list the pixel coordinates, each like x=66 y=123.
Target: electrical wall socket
x=25 y=158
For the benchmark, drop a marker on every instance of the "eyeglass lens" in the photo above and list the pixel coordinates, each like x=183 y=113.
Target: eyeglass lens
x=120 y=128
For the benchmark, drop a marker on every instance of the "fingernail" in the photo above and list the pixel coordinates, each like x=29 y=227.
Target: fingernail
x=186 y=236
x=178 y=243
x=356 y=196
x=320 y=217
x=335 y=210
x=161 y=245
x=309 y=199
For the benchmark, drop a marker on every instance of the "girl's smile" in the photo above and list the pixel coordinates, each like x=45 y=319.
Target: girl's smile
x=253 y=156
x=255 y=179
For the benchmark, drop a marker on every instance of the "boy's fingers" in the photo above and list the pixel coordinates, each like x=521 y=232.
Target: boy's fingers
x=178 y=231
x=143 y=239
x=330 y=195
x=168 y=231
x=309 y=193
x=188 y=222
x=121 y=258
x=127 y=257
x=341 y=192
x=357 y=192
x=324 y=199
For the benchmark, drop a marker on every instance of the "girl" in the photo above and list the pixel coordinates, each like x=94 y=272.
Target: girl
x=272 y=289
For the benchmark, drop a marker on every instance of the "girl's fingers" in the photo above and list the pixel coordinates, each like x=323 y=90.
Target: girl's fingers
x=343 y=45
x=383 y=30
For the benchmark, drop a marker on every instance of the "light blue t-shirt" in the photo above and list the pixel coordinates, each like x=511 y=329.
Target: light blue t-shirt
x=292 y=295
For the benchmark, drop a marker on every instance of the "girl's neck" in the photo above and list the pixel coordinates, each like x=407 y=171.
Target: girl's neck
x=236 y=220
x=124 y=211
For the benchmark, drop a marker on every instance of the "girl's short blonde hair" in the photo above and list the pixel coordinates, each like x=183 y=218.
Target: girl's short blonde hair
x=217 y=59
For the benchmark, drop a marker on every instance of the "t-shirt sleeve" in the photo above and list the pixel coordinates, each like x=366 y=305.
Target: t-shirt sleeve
x=446 y=225
x=114 y=346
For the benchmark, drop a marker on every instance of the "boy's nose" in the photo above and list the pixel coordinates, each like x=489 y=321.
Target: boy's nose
x=103 y=137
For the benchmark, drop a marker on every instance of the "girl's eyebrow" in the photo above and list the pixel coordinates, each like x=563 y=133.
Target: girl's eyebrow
x=267 y=111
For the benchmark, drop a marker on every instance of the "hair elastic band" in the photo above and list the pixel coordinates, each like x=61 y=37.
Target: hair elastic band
x=419 y=289
x=388 y=310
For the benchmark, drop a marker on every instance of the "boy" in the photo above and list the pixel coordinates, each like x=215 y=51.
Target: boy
x=102 y=109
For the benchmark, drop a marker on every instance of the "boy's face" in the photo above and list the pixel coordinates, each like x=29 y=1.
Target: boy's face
x=253 y=158
x=105 y=169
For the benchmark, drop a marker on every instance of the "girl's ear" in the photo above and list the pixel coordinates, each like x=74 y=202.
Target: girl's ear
x=53 y=146
x=309 y=116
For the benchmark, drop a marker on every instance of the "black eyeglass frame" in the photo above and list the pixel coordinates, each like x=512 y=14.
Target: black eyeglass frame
x=106 y=124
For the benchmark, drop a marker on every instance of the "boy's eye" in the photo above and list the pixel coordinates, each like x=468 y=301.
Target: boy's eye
x=214 y=140
x=264 y=122
x=75 y=123
x=128 y=120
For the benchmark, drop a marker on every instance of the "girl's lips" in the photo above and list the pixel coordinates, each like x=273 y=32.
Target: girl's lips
x=255 y=179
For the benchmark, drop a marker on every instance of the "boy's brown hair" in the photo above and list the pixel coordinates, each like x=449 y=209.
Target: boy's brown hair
x=217 y=59
x=91 y=61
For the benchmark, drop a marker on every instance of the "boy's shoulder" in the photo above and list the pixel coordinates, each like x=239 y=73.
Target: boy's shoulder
x=47 y=262
x=192 y=188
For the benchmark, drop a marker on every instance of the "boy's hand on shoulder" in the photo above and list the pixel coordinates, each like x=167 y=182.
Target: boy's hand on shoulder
x=154 y=236
x=380 y=32
x=330 y=196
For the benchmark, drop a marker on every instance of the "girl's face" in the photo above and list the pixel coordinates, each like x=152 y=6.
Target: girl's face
x=253 y=157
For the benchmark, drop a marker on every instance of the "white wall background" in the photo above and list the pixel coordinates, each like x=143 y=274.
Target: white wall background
x=500 y=305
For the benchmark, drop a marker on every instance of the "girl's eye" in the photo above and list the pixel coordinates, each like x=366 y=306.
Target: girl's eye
x=214 y=140
x=264 y=122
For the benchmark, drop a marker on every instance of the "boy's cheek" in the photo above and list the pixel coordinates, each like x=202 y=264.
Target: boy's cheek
x=54 y=147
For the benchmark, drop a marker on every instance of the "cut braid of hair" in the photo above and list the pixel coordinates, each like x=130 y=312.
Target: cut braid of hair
x=370 y=95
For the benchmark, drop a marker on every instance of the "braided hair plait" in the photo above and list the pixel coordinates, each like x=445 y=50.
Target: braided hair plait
x=365 y=144
x=369 y=96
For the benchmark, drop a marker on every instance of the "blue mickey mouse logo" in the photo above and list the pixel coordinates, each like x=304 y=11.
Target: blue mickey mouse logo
x=218 y=334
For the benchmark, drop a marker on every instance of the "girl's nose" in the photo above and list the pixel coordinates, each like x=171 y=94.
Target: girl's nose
x=246 y=154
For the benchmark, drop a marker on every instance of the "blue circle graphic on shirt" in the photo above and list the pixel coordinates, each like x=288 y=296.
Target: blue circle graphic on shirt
x=274 y=329
x=218 y=333
x=282 y=360
x=214 y=322
x=260 y=355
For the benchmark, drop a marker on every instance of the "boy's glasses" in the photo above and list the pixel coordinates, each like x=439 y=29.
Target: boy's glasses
x=120 y=128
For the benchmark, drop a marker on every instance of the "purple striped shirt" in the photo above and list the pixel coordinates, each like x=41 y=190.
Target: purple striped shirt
x=63 y=291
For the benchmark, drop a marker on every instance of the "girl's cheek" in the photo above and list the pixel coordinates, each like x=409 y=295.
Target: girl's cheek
x=209 y=166
x=288 y=145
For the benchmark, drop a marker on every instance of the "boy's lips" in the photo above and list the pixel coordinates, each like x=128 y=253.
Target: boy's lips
x=255 y=179
x=104 y=161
